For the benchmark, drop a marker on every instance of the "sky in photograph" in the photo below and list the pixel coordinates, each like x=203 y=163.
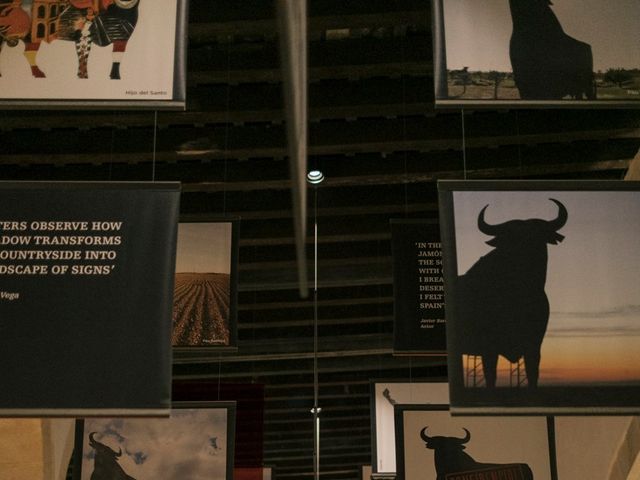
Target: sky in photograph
x=204 y=247
x=478 y=32
x=593 y=278
x=175 y=448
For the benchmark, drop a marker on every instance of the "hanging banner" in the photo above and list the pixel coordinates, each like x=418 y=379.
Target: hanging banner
x=525 y=53
x=418 y=288
x=93 y=53
x=86 y=283
x=206 y=287
x=543 y=282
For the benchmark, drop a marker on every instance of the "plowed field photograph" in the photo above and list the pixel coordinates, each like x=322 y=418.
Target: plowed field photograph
x=201 y=309
x=202 y=300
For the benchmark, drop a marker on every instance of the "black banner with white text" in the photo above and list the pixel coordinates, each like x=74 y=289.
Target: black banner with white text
x=419 y=322
x=86 y=286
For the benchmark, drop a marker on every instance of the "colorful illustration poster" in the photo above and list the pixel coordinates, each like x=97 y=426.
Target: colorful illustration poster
x=524 y=53
x=543 y=282
x=64 y=53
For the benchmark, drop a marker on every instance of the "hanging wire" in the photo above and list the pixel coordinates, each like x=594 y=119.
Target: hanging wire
x=464 y=145
x=315 y=299
x=518 y=143
x=404 y=124
x=316 y=409
x=113 y=142
x=226 y=130
x=219 y=373
x=155 y=140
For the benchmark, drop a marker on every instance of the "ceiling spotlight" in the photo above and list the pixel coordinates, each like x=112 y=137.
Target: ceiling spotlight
x=315 y=177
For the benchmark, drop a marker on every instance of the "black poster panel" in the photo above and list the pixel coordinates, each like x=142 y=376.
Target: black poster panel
x=525 y=53
x=418 y=288
x=543 y=289
x=86 y=283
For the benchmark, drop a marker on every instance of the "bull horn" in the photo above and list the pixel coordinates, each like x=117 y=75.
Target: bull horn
x=126 y=4
x=467 y=437
x=424 y=436
x=91 y=439
x=561 y=219
x=484 y=227
x=119 y=454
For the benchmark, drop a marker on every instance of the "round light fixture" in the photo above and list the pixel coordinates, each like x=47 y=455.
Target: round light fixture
x=315 y=177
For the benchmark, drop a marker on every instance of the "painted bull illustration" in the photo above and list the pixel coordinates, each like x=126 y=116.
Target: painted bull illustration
x=106 y=466
x=547 y=63
x=502 y=306
x=84 y=22
x=452 y=463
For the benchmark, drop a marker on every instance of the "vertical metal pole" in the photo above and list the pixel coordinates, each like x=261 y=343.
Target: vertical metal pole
x=316 y=410
x=440 y=54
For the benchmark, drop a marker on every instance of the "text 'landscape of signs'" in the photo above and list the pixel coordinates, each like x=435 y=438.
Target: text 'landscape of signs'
x=86 y=281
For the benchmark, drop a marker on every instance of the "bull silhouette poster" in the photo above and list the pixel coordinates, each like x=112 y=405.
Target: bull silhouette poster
x=205 y=295
x=106 y=53
x=542 y=282
x=86 y=282
x=195 y=443
x=432 y=445
x=536 y=52
x=418 y=288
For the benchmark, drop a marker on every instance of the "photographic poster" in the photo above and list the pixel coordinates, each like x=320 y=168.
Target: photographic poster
x=527 y=53
x=195 y=442
x=205 y=295
x=543 y=289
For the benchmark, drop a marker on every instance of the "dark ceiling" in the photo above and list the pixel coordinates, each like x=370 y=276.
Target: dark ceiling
x=382 y=146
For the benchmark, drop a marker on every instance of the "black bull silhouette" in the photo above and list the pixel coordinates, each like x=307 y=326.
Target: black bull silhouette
x=452 y=463
x=501 y=305
x=547 y=63
x=106 y=466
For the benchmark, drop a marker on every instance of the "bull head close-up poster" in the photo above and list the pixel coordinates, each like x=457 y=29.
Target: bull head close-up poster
x=196 y=443
x=542 y=282
x=536 y=53
x=107 y=53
